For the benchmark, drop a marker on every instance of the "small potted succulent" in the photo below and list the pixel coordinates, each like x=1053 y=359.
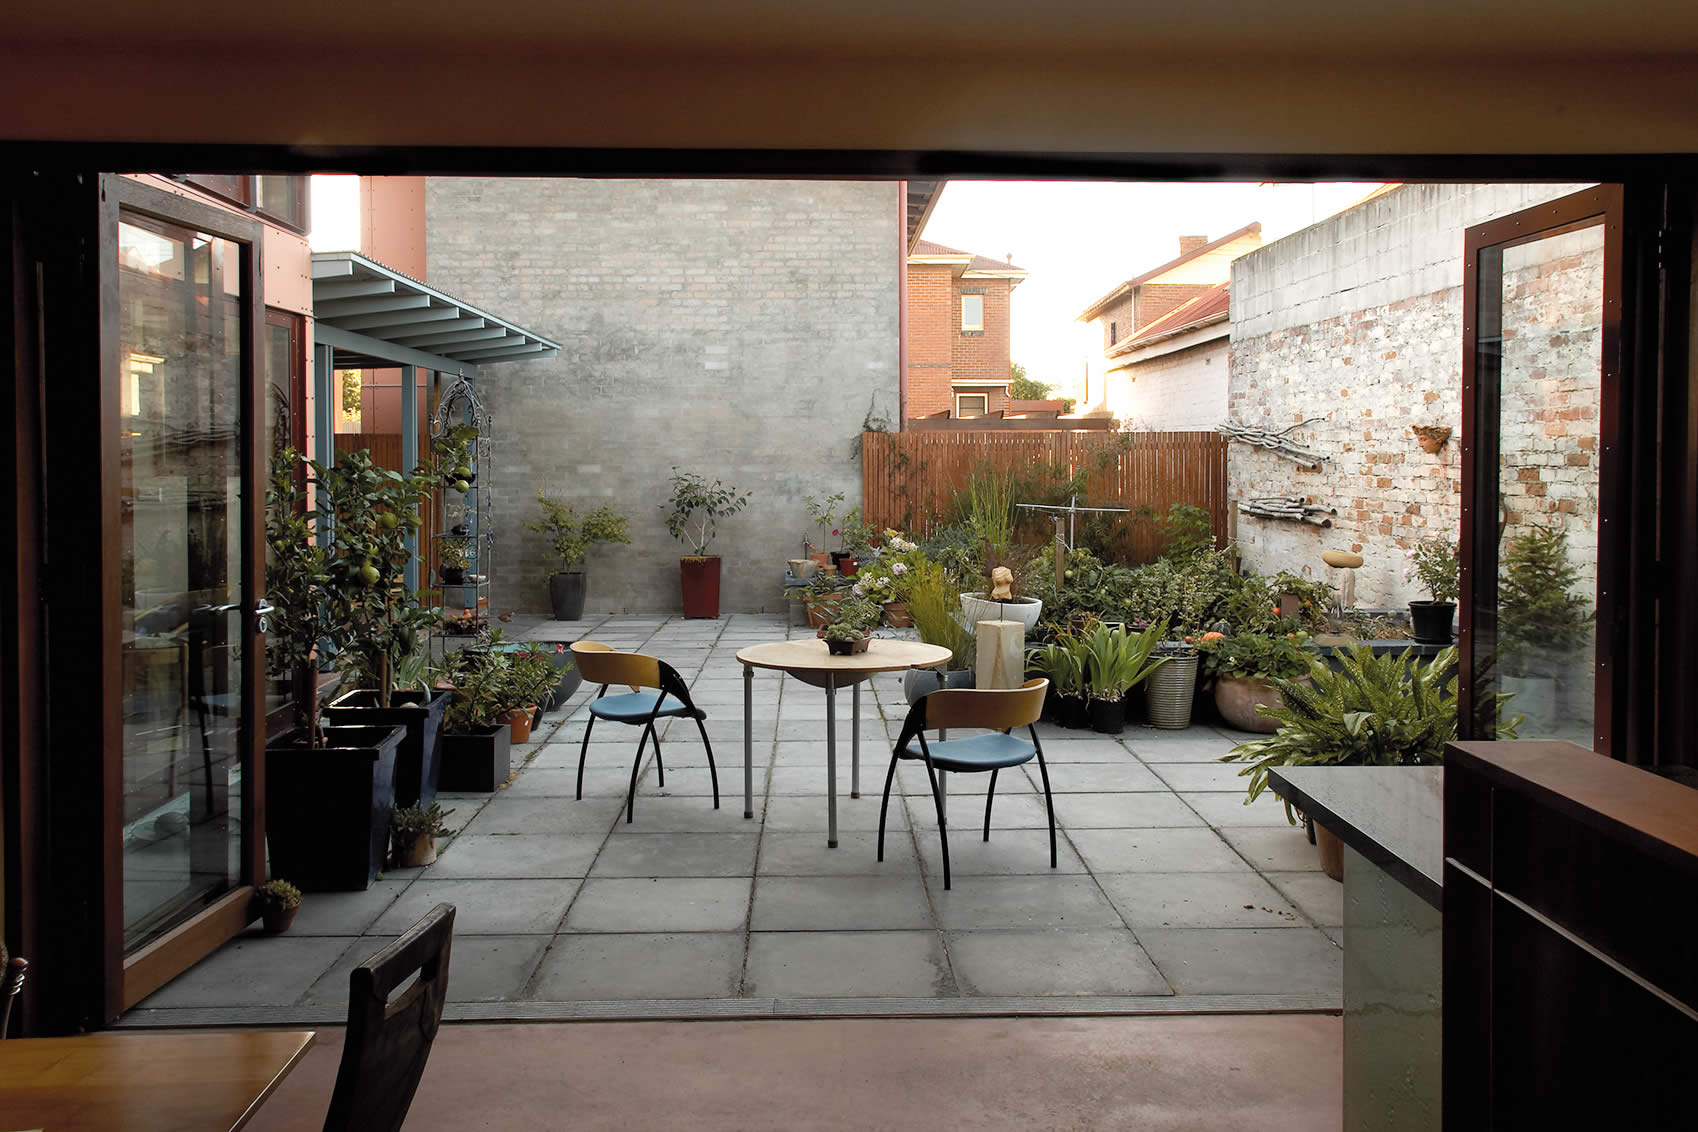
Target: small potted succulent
x=851 y=631
x=415 y=830
x=1435 y=563
x=278 y=902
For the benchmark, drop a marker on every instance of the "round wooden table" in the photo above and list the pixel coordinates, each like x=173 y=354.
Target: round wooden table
x=812 y=663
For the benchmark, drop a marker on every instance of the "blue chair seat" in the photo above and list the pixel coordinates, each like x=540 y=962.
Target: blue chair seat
x=979 y=752
x=634 y=706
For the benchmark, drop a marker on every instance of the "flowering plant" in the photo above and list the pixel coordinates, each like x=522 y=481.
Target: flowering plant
x=1256 y=656
x=1434 y=561
x=888 y=576
x=823 y=512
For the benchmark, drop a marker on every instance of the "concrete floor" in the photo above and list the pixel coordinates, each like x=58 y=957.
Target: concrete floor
x=1171 y=895
x=1154 y=1074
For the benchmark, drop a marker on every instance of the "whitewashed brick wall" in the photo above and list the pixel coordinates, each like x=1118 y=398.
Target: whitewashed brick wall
x=1178 y=392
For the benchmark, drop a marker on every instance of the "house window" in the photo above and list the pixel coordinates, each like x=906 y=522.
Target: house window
x=972 y=312
x=1113 y=334
x=280 y=199
x=972 y=404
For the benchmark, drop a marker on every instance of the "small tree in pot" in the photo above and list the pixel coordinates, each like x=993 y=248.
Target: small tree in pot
x=696 y=507
x=1541 y=623
x=1434 y=561
x=571 y=538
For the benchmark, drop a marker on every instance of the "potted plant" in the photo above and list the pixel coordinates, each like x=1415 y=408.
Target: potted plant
x=328 y=789
x=696 y=509
x=1375 y=711
x=933 y=600
x=1173 y=687
x=477 y=751
x=851 y=630
x=821 y=597
x=823 y=513
x=531 y=680
x=454 y=457
x=1541 y=622
x=1117 y=661
x=1243 y=668
x=278 y=902
x=454 y=555
x=1062 y=663
x=382 y=621
x=572 y=538
x=415 y=831
x=1434 y=562
x=860 y=542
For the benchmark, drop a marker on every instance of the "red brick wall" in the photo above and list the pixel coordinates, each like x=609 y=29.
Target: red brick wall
x=1120 y=314
x=940 y=353
x=1156 y=299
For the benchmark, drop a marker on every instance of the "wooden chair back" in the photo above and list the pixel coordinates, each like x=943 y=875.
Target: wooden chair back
x=600 y=664
x=11 y=985
x=998 y=709
x=387 y=1043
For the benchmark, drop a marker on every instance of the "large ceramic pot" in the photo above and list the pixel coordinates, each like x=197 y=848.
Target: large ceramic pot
x=421 y=714
x=328 y=809
x=566 y=593
x=700 y=579
x=917 y=683
x=1170 y=690
x=1429 y=621
x=1238 y=697
x=978 y=607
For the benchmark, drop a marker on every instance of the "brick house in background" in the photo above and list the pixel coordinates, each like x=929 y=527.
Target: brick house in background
x=1202 y=266
x=958 y=325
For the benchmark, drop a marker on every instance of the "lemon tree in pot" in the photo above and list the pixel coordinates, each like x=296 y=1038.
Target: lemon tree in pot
x=695 y=511
x=570 y=537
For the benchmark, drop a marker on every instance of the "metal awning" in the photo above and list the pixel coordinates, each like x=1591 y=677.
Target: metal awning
x=374 y=316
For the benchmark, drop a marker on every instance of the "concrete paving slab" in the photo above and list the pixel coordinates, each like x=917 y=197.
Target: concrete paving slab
x=1245 y=960
x=1071 y=750
x=1048 y=901
x=345 y=913
x=966 y=812
x=807 y=813
x=1049 y=961
x=805 y=854
x=552 y=816
x=667 y=814
x=516 y=856
x=1009 y=852
x=1194 y=777
x=1155 y=850
x=1274 y=848
x=252 y=970
x=839 y=903
x=1198 y=900
x=484 y=907
x=1316 y=895
x=1222 y=810
x=661 y=905
x=640 y=966
x=678 y=855
x=1177 y=746
x=1123 y=811
x=855 y=964
x=1095 y=778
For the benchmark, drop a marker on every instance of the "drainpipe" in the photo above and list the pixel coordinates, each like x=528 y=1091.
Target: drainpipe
x=901 y=306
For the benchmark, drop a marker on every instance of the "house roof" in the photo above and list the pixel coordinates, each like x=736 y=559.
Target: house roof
x=968 y=265
x=1211 y=306
x=922 y=199
x=1096 y=308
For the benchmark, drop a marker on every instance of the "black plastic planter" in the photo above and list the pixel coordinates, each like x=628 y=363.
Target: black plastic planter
x=415 y=760
x=566 y=593
x=1074 y=712
x=327 y=810
x=1429 y=621
x=1108 y=716
x=476 y=763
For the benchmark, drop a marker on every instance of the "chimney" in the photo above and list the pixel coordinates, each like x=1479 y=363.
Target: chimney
x=1189 y=244
x=1010 y=259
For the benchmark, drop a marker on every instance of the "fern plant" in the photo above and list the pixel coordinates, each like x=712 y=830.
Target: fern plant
x=1375 y=711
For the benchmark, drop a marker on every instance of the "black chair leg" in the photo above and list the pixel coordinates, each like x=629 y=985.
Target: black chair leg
x=583 y=751
x=990 y=794
x=659 y=767
x=942 y=829
x=885 y=805
x=636 y=768
x=1049 y=802
x=712 y=770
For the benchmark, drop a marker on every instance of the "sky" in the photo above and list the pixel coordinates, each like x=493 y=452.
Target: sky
x=1081 y=240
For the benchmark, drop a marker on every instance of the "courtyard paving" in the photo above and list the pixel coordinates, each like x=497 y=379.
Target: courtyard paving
x=1170 y=895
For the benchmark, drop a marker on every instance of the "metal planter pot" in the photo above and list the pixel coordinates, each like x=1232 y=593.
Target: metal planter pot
x=1170 y=690
x=566 y=593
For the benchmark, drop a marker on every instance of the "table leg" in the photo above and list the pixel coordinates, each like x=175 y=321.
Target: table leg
x=748 y=741
x=830 y=760
x=855 y=747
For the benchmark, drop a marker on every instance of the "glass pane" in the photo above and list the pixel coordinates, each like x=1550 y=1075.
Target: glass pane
x=180 y=345
x=279 y=380
x=283 y=198
x=1552 y=350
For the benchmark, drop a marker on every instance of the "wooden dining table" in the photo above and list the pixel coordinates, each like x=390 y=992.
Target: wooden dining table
x=144 y=1082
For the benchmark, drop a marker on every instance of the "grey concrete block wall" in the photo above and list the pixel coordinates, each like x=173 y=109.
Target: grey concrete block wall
x=737 y=329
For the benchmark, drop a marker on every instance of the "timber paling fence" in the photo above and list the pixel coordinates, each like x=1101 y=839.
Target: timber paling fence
x=909 y=479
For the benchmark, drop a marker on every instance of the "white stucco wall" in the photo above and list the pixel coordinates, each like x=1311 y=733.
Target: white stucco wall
x=1181 y=390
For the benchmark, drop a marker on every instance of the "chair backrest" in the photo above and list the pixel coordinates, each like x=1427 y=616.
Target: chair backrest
x=387 y=1043
x=11 y=983
x=603 y=665
x=999 y=709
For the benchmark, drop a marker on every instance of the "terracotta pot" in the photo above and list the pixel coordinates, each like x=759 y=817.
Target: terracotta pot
x=848 y=566
x=277 y=918
x=896 y=613
x=700 y=580
x=822 y=611
x=1236 y=698
x=519 y=723
x=1332 y=851
x=414 y=851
